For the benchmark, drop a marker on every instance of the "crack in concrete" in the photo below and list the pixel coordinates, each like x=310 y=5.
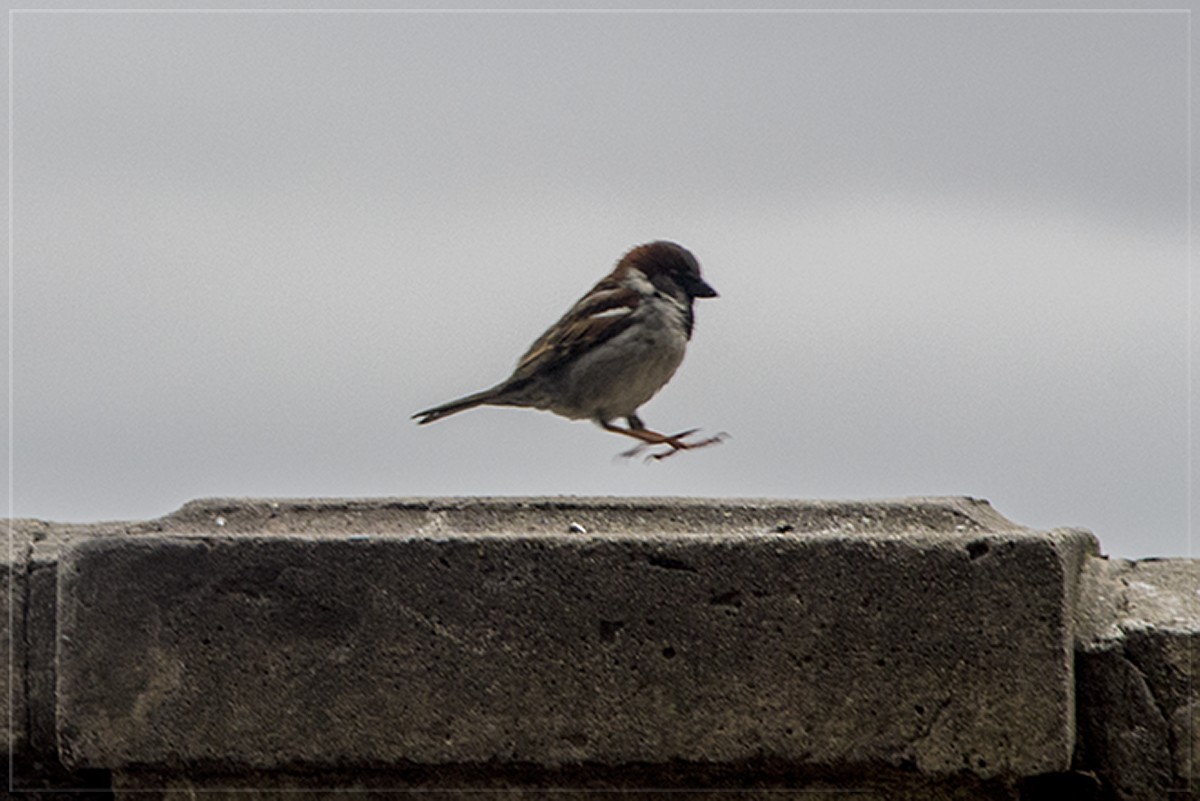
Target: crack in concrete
x=925 y=731
x=1128 y=655
x=439 y=629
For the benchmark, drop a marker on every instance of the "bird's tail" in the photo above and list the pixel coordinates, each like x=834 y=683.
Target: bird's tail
x=486 y=396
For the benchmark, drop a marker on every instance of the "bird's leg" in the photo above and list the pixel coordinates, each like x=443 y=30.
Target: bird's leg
x=675 y=440
x=638 y=430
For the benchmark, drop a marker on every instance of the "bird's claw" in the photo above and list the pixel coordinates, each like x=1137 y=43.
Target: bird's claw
x=675 y=443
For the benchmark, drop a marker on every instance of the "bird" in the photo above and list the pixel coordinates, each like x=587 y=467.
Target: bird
x=611 y=352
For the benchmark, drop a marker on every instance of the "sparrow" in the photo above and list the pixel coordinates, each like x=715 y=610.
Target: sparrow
x=611 y=352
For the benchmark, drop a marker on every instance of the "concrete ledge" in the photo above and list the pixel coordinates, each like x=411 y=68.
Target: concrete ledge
x=13 y=706
x=30 y=642
x=928 y=635
x=1138 y=655
x=28 y=614
x=915 y=649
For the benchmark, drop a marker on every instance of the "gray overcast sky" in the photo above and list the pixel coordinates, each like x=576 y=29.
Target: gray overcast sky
x=951 y=251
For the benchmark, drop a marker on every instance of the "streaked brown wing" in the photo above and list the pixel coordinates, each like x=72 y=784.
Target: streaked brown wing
x=596 y=318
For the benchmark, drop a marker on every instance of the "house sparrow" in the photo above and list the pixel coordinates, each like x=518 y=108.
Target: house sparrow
x=611 y=352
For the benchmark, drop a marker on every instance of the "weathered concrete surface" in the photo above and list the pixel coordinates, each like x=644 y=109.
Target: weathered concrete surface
x=12 y=643
x=929 y=636
x=26 y=632
x=32 y=570
x=1138 y=656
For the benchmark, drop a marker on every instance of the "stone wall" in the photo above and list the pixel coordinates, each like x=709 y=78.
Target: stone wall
x=922 y=648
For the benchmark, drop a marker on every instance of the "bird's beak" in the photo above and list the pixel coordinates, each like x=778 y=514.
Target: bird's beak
x=700 y=289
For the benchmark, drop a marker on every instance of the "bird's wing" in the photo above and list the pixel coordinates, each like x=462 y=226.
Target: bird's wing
x=600 y=315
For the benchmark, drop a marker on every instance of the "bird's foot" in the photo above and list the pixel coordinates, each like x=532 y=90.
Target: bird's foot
x=675 y=443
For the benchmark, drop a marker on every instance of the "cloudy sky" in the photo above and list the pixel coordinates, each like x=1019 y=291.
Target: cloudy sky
x=951 y=250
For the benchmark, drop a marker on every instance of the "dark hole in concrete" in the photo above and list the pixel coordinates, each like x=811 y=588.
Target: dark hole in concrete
x=669 y=563
x=731 y=598
x=669 y=652
x=609 y=629
x=977 y=548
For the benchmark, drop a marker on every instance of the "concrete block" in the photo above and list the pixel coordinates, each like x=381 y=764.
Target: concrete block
x=29 y=647
x=12 y=639
x=1138 y=652
x=23 y=631
x=929 y=635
